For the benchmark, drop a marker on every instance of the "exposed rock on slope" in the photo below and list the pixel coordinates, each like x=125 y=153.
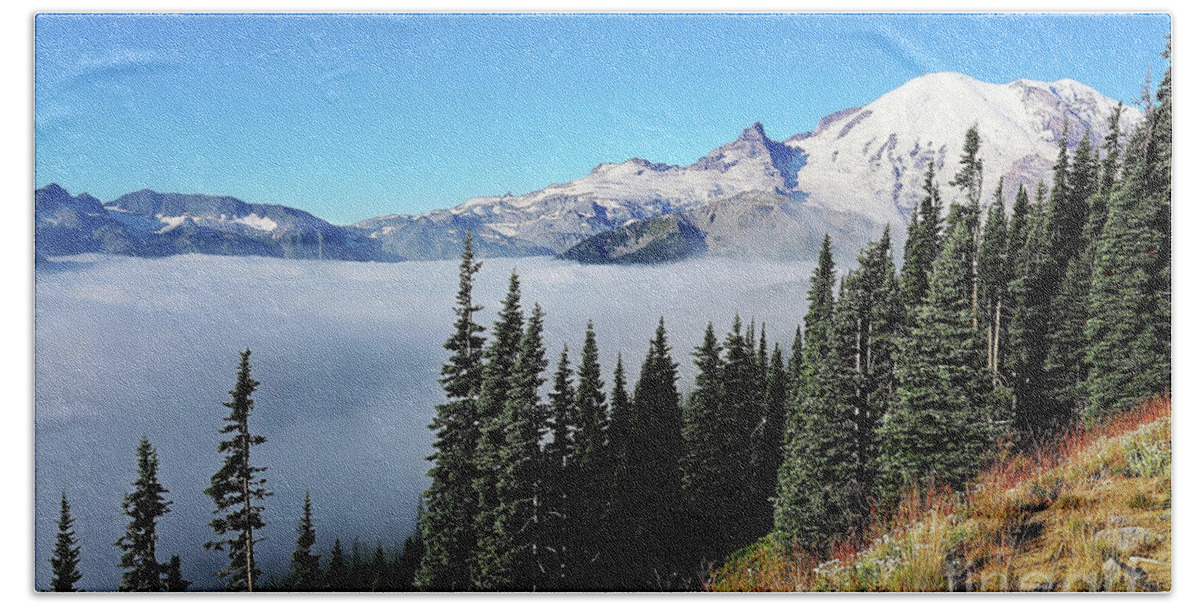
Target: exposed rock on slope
x=751 y=224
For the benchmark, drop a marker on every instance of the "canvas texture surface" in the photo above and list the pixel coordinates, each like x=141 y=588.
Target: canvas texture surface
x=603 y=302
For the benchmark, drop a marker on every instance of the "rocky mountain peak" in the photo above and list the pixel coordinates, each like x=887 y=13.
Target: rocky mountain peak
x=754 y=133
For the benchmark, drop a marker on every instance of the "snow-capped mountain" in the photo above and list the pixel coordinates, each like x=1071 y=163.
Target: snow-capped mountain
x=866 y=161
x=555 y=218
x=148 y=223
x=871 y=160
x=863 y=164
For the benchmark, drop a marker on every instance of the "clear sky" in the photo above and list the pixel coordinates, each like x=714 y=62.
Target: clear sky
x=355 y=116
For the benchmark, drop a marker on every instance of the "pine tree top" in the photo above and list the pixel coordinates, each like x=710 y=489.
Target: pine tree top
x=64 y=561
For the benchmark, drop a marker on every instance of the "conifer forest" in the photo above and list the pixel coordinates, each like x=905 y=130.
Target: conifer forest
x=1001 y=319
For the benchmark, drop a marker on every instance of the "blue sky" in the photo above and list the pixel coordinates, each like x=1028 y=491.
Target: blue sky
x=351 y=117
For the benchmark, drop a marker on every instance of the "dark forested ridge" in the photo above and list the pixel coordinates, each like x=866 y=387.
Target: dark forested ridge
x=998 y=328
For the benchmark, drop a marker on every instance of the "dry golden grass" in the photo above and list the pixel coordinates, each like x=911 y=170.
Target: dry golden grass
x=1030 y=522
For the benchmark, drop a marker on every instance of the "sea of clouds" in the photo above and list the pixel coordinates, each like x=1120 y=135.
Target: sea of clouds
x=348 y=356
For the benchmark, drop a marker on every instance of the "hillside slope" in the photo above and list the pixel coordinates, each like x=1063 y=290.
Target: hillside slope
x=753 y=224
x=1090 y=513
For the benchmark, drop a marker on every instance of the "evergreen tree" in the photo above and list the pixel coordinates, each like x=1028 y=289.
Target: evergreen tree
x=616 y=518
x=820 y=299
x=510 y=543
x=792 y=505
x=336 y=573
x=500 y=358
x=447 y=522
x=622 y=420
x=937 y=430
x=969 y=179
x=381 y=570
x=144 y=505
x=648 y=503
x=1109 y=173
x=592 y=470
x=922 y=246
x=995 y=272
x=1084 y=183
x=237 y=486
x=705 y=465
x=769 y=439
x=865 y=327
x=559 y=465
x=818 y=477
x=1065 y=218
x=1027 y=333
x=64 y=562
x=306 y=566
x=742 y=392
x=1017 y=234
x=1065 y=369
x=1160 y=193
x=173 y=580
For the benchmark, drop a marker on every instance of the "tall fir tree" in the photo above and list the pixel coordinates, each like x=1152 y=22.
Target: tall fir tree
x=238 y=487
x=937 y=429
x=705 y=465
x=620 y=425
x=592 y=470
x=559 y=458
x=923 y=244
x=617 y=492
x=1028 y=328
x=742 y=392
x=969 y=179
x=762 y=360
x=770 y=439
x=648 y=502
x=447 y=520
x=1065 y=368
x=866 y=323
x=306 y=566
x=410 y=560
x=1017 y=234
x=144 y=505
x=500 y=357
x=1064 y=218
x=818 y=476
x=995 y=272
x=511 y=542
x=1109 y=172
x=64 y=562
x=337 y=575
x=1160 y=193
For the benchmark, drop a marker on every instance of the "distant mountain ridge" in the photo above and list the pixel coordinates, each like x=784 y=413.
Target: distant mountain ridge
x=859 y=166
x=153 y=224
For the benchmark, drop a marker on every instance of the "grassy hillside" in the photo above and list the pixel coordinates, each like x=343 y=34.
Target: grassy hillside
x=1092 y=512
